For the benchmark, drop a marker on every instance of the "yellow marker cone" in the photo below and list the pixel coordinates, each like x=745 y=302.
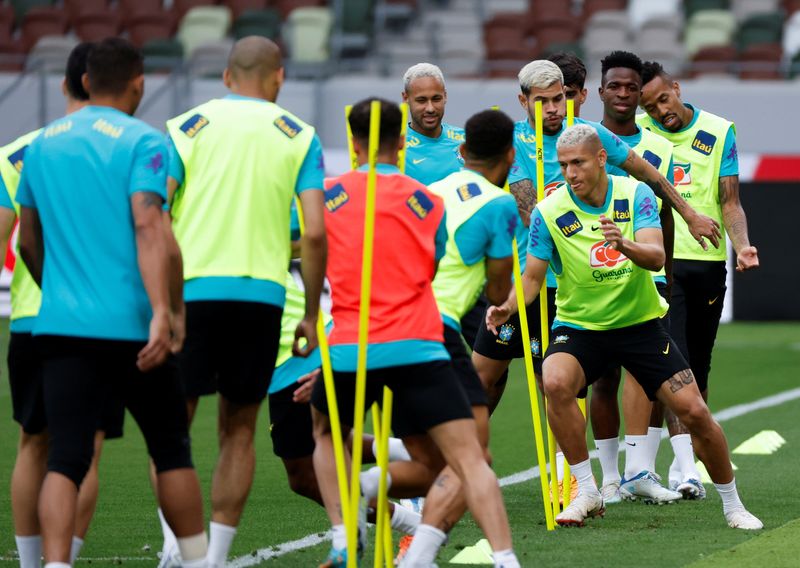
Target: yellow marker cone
x=764 y=443
x=704 y=477
x=480 y=553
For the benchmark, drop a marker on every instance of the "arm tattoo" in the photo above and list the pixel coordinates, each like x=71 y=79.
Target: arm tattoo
x=680 y=380
x=733 y=216
x=524 y=193
x=441 y=480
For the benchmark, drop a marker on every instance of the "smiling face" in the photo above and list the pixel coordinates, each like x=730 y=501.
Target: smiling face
x=620 y=93
x=661 y=99
x=554 y=106
x=426 y=98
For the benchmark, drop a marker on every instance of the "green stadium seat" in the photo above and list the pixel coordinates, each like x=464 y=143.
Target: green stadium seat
x=308 y=36
x=761 y=28
x=266 y=23
x=565 y=47
x=203 y=24
x=709 y=28
x=21 y=7
x=794 y=66
x=162 y=55
x=690 y=7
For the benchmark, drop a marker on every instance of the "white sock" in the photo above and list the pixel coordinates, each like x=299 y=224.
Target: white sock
x=425 y=546
x=405 y=520
x=505 y=559
x=608 y=452
x=339 y=537
x=682 y=446
x=169 y=537
x=29 y=549
x=370 y=482
x=653 y=442
x=729 y=496
x=635 y=455
x=219 y=543
x=559 y=466
x=75 y=550
x=397 y=450
x=194 y=550
x=56 y=565
x=583 y=473
x=674 y=473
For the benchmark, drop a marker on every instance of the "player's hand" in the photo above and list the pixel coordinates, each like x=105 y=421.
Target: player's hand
x=611 y=232
x=303 y=394
x=178 y=330
x=306 y=329
x=158 y=345
x=747 y=259
x=701 y=226
x=496 y=316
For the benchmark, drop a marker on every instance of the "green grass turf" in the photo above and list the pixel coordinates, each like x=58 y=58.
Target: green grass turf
x=779 y=548
x=751 y=361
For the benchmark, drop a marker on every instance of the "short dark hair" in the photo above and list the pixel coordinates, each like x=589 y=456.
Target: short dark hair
x=76 y=68
x=623 y=59
x=651 y=70
x=572 y=67
x=489 y=135
x=391 y=120
x=112 y=64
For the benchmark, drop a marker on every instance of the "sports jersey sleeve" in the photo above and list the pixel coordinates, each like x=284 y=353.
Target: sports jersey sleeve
x=176 y=170
x=520 y=170
x=489 y=232
x=441 y=237
x=671 y=171
x=730 y=156
x=616 y=149
x=149 y=171
x=540 y=241
x=645 y=209
x=5 y=199
x=312 y=172
x=24 y=193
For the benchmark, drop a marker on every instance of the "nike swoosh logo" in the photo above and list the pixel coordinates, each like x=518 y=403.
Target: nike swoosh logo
x=634 y=444
x=417 y=161
x=711 y=302
x=666 y=350
x=595 y=228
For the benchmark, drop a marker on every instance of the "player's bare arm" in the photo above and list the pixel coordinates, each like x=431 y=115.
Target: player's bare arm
x=525 y=196
x=7 y=219
x=31 y=242
x=735 y=222
x=532 y=279
x=175 y=286
x=498 y=279
x=313 y=261
x=700 y=226
x=154 y=266
x=646 y=250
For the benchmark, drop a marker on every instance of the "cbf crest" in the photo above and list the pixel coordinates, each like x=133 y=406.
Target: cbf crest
x=506 y=331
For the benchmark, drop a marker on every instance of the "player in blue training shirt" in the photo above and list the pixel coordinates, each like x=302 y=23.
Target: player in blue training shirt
x=431 y=145
x=92 y=235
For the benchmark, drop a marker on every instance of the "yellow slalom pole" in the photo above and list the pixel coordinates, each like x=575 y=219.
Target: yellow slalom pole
x=351 y=151
x=330 y=394
x=378 y=432
x=363 y=333
x=401 y=155
x=384 y=532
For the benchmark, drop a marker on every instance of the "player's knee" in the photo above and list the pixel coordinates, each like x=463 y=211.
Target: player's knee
x=303 y=482
x=35 y=445
x=696 y=416
x=557 y=385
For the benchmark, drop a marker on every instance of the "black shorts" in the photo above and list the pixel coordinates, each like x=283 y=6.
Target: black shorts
x=230 y=348
x=644 y=350
x=465 y=370
x=507 y=344
x=425 y=395
x=27 y=396
x=81 y=377
x=473 y=320
x=698 y=294
x=290 y=425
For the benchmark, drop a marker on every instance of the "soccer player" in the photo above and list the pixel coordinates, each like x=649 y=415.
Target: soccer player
x=608 y=315
x=93 y=236
x=236 y=164
x=431 y=145
x=620 y=89
x=406 y=351
x=24 y=365
x=707 y=175
x=574 y=72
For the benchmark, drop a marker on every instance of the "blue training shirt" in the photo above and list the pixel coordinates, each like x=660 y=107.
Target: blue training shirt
x=80 y=175
x=5 y=199
x=431 y=159
x=645 y=216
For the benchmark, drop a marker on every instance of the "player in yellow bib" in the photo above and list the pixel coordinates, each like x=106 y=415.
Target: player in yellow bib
x=602 y=237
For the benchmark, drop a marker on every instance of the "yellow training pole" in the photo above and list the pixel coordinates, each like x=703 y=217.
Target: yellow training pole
x=378 y=432
x=350 y=150
x=383 y=535
x=363 y=332
x=330 y=394
x=401 y=155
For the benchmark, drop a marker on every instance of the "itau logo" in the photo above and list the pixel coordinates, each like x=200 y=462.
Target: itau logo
x=601 y=254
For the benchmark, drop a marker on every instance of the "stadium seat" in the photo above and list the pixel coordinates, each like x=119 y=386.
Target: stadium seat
x=605 y=32
x=501 y=37
x=460 y=58
x=544 y=9
x=97 y=26
x=658 y=31
x=591 y=7
x=743 y=9
x=21 y=7
x=353 y=34
x=794 y=66
x=507 y=62
x=40 y=22
x=50 y=54
x=762 y=61
x=761 y=28
x=791 y=35
x=691 y=7
x=642 y=11
x=181 y=7
x=669 y=55
x=239 y=7
x=162 y=55
x=716 y=60
x=708 y=28
x=308 y=35
x=510 y=21
x=75 y=8
x=395 y=13
x=143 y=28
x=574 y=48
x=266 y=23
x=556 y=29
x=210 y=59
x=130 y=8
x=287 y=6
x=202 y=25
x=6 y=22
x=791 y=7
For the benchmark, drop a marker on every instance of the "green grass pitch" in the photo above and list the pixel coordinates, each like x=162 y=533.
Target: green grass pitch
x=751 y=361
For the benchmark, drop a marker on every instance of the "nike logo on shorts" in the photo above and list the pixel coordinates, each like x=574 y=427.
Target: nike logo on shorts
x=711 y=302
x=666 y=350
